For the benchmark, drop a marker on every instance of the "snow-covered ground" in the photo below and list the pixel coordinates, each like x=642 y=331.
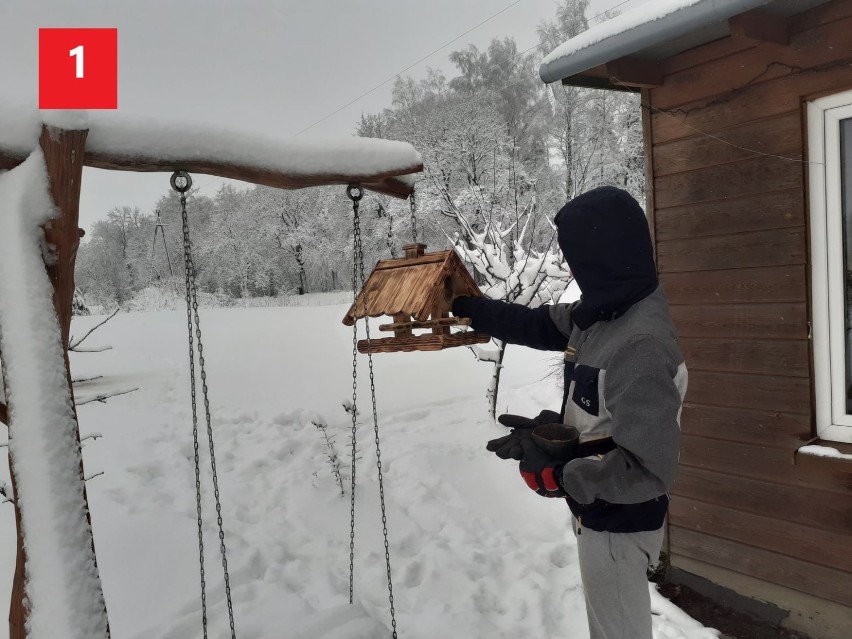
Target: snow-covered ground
x=474 y=552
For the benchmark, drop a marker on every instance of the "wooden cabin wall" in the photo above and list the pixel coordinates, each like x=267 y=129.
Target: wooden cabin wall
x=730 y=220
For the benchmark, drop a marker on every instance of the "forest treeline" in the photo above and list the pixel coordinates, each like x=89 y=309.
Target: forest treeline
x=502 y=152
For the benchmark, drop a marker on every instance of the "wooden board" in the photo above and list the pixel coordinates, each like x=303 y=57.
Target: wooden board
x=758 y=392
x=747 y=177
x=429 y=342
x=774 y=247
x=741 y=321
x=768 y=428
x=824 y=547
x=800 y=504
x=764 y=463
x=803 y=575
x=786 y=358
x=734 y=286
x=751 y=212
x=776 y=134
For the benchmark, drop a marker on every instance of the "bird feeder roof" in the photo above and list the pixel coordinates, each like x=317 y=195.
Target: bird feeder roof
x=411 y=286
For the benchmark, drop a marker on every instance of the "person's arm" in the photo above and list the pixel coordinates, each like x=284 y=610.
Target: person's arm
x=644 y=402
x=513 y=323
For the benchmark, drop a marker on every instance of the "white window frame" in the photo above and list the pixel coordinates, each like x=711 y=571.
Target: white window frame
x=833 y=423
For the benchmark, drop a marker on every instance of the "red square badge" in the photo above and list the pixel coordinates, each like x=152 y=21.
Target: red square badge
x=78 y=68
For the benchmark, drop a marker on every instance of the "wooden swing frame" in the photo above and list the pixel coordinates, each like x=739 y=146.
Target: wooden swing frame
x=65 y=156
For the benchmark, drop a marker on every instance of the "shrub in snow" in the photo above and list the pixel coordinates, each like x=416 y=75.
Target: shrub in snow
x=78 y=304
x=333 y=457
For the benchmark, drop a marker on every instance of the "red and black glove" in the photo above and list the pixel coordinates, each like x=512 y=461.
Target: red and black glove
x=509 y=446
x=540 y=471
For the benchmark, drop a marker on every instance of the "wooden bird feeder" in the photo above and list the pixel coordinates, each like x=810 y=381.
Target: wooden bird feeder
x=417 y=291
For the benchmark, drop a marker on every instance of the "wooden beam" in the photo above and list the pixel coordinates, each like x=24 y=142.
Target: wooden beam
x=428 y=342
x=386 y=182
x=760 y=26
x=63 y=154
x=443 y=321
x=635 y=72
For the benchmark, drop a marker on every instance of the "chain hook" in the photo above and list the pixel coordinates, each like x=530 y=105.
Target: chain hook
x=181 y=181
x=354 y=192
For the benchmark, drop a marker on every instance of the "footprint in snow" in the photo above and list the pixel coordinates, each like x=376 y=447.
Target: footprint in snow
x=413 y=576
x=562 y=556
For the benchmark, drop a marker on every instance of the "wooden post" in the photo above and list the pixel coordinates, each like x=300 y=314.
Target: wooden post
x=64 y=154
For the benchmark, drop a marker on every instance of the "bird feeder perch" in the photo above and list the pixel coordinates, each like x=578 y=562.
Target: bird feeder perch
x=418 y=292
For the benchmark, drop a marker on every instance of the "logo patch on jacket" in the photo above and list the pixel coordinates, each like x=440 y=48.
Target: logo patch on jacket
x=586 y=389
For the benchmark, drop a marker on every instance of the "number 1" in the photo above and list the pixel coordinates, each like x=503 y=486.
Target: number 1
x=77 y=52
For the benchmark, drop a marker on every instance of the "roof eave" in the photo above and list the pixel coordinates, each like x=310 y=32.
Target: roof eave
x=646 y=34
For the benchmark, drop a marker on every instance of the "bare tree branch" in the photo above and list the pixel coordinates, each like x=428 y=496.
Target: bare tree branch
x=93 y=476
x=105 y=396
x=81 y=380
x=4 y=492
x=91 y=350
x=72 y=346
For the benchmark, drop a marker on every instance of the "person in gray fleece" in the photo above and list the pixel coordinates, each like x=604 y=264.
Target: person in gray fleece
x=625 y=379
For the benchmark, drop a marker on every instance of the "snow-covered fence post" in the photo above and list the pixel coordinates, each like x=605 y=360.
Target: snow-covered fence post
x=62 y=559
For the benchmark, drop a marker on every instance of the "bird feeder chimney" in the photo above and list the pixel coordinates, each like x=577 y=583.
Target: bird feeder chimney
x=414 y=250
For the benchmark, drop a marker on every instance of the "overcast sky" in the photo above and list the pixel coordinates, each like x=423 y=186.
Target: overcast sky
x=270 y=66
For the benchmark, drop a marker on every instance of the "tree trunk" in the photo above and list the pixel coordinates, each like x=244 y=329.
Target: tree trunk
x=63 y=152
x=494 y=385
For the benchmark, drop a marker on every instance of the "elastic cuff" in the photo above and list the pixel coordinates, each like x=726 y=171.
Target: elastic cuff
x=558 y=474
x=459 y=307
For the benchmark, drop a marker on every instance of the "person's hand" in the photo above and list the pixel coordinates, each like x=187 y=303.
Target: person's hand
x=541 y=472
x=509 y=446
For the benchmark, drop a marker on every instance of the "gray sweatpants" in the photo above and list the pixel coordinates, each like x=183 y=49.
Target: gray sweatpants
x=613 y=567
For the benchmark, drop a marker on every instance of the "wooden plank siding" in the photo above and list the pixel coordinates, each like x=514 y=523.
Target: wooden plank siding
x=727 y=151
x=799 y=574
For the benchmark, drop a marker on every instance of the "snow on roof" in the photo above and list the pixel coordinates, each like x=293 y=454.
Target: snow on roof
x=633 y=30
x=116 y=135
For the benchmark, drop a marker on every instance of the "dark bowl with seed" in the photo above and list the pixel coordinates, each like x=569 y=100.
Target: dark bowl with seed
x=557 y=440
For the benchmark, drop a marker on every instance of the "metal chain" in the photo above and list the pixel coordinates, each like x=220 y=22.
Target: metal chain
x=192 y=314
x=355 y=193
x=413 y=218
x=187 y=263
x=354 y=406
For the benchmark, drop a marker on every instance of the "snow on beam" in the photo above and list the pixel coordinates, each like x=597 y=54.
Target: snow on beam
x=128 y=144
x=63 y=590
x=394 y=185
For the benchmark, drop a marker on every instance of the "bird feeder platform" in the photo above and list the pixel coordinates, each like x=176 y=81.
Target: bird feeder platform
x=417 y=291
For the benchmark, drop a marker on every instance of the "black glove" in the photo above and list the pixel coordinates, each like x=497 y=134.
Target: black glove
x=541 y=472
x=509 y=446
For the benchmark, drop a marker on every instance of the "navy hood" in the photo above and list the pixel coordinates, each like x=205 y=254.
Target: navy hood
x=605 y=239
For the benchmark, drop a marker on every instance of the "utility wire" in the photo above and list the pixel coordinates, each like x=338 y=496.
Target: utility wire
x=414 y=64
x=429 y=55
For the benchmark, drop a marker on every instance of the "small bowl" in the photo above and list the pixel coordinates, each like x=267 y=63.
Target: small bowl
x=558 y=440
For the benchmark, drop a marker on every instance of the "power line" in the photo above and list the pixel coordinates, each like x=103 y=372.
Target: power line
x=612 y=8
x=414 y=64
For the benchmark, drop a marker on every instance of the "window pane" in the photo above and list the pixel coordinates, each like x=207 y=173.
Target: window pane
x=846 y=186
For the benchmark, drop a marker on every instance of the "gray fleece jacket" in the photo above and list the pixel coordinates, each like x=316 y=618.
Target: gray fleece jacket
x=625 y=377
x=628 y=382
